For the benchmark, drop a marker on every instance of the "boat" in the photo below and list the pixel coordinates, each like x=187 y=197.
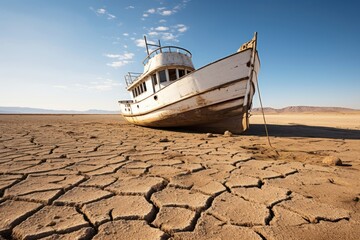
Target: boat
x=170 y=92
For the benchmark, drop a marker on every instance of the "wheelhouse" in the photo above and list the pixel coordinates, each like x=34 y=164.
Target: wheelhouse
x=162 y=66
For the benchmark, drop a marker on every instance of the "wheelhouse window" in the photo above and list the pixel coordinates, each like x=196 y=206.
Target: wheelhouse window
x=162 y=76
x=144 y=86
x=154 y=79
x=172 y=74
x=181 y=72
x=136 y=92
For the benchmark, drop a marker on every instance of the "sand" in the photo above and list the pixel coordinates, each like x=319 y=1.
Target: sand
x=98 y=177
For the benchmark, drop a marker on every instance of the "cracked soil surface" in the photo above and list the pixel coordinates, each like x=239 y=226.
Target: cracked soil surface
x=97 y=177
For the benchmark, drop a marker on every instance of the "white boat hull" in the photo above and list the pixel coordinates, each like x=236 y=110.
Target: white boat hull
x=217 y=96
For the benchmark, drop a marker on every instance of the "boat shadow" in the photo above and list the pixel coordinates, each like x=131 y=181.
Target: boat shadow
x=293 y=130
x=303 y=131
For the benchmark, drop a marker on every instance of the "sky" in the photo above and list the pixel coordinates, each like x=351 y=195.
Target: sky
x=73 y=55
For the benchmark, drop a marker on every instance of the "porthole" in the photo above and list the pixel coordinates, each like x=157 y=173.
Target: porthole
x=155 y=97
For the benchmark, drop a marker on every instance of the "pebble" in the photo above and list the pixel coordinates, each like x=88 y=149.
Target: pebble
x=332 y=160
x=228 y=134
x=164 y=140
x=209 y=135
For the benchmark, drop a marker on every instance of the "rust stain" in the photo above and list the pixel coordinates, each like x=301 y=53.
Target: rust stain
x=201 y=101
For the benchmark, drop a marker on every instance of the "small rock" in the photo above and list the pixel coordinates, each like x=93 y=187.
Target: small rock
x=209 y=135
x=164 y=140
x=50 y=224
x=63 y=156
x=331 y=180
x=356 y=199
x=332 y=160
x=228 y=134
x=93 y=137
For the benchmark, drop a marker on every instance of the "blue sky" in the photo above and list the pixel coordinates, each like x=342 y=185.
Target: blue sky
x=73 y=54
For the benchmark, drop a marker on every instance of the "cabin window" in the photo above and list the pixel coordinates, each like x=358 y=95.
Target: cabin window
x=133 y=92
x=136 y=92
x=172 y=74
x=141 y=88
x=144 y=85
x=162 y=76
x=181 y=72
x=154 y=79
x=188 y=71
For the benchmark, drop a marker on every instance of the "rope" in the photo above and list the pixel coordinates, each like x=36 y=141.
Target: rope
x=263 y=114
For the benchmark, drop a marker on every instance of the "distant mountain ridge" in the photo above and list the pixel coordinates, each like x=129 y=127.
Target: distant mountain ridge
x=303 y=109
x=290 y=109
x=27 y=110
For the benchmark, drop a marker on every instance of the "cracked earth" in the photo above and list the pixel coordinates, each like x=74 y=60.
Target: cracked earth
x=97 y=177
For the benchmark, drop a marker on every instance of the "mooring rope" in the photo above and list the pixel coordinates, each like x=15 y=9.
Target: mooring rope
x=263 y=114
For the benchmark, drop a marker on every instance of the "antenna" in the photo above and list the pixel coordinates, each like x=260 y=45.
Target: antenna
x=153 y=45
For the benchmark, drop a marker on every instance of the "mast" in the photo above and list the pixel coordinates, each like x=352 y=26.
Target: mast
x=152 y=45
x=146 y=44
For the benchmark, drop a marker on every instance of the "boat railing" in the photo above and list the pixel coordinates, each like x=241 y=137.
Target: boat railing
x=167 y=49
x=131 y=77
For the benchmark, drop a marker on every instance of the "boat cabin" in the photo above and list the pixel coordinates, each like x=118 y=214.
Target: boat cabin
x=162 y=66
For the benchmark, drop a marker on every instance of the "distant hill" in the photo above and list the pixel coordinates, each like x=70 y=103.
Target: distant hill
x=26 y=110
x=268 y=110
x=303 y=109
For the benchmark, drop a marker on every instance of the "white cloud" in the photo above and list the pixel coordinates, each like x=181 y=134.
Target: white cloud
x=166 y=12
x=100 y=85
x=125 y=56
x=141 y=43
x=101 y=11
x=118 y=64
x=169 y=37
x=181 y=5
x=125 y=34
x=112 y=55
x=183 y=29
x=104 y=85
x=110 y=16
x=171 y=33
x=163 y=32
x=130 y=7
x=161 y=28
x=122 y=59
